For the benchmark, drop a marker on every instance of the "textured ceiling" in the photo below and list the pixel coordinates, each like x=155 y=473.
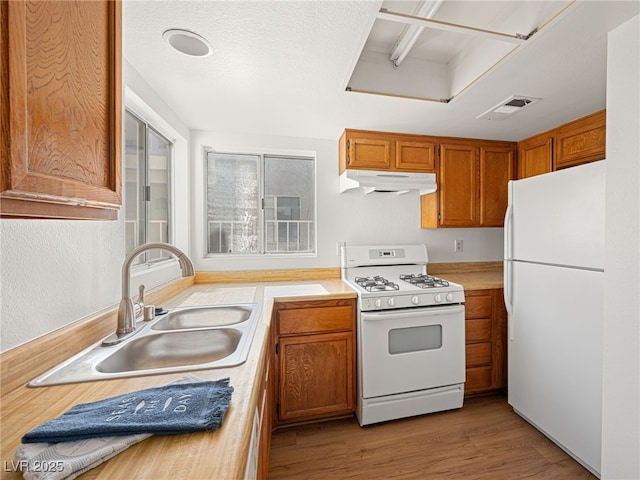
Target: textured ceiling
x=281 y=68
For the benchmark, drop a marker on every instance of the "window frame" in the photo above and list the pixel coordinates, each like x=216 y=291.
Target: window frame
x=166 y=270
x=262 y=153
x=150 y=128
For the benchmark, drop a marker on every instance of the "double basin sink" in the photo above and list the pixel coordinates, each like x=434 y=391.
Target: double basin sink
x=183 y=339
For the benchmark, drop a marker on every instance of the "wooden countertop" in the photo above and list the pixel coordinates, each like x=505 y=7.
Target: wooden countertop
x=220 y=454
x=472 y=276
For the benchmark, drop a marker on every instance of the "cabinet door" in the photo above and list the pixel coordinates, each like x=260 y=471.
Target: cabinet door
x=458 y=186
x=370 y=153
x=61 y=138
x=479 y=340
x=581 y=141
x=535 y=155
x=496 y=169
x=486 y=340
x=415 y=156
x=266 y=408
x=316 y=376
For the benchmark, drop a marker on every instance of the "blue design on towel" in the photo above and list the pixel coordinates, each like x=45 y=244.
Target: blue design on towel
x=172 y=409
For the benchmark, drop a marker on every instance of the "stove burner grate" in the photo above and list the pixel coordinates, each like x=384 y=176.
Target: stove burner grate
x=376 y=284
x=424 y=281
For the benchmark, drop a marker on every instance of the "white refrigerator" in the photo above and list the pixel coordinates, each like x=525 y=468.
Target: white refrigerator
x=554 y=293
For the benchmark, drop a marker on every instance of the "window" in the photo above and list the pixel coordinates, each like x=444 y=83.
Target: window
x=147 y=166
x=260 y=204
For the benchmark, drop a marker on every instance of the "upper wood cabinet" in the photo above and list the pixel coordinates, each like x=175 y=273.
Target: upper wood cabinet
x=458 y=185
x=497 y=165
x=472 y=185
x=535 y=155
x=581 y=141
x=367 y=150
x=61 y=109
x=574 y=143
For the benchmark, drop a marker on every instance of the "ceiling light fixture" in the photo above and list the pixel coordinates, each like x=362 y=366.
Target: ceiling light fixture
x=411 y=34
x=188 y=43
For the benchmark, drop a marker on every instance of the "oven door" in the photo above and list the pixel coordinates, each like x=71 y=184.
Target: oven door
x=411 y=349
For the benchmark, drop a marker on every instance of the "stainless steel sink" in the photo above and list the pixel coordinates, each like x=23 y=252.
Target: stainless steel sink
x=203 y=317
x=184 y=339
x=172 y=350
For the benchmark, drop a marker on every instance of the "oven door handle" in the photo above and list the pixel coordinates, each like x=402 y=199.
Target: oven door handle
x=411 y=312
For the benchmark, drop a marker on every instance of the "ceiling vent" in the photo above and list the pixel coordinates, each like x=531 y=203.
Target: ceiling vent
x=508 y=107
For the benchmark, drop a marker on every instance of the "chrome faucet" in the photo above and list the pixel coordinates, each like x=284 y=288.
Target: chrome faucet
x=127 y=310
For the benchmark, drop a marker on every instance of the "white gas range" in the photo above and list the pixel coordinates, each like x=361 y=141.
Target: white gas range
x=411 y=354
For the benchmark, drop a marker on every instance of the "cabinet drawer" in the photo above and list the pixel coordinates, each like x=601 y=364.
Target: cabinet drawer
x=478 y=306
x=478 y=379
x=314 y=320
x=477 y=330
x=478 y=354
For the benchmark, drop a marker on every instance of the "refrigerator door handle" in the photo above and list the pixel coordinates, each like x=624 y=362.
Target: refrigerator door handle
x=508 y=275
x=508 y=260
x=508 y=231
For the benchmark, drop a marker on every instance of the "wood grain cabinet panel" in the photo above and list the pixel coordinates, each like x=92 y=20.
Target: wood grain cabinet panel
x=535 y=155
x=369 y=153
x=316 y=375
x=386 y=151
x=415 y=156
x=315 y=320
x=61 y=122
x=458 y=185
x=266 y=407
x=496 y=169
x=486 y=340
x=479 y=304
x=574 y=143
x=315 y=358
x=478 y=380
x=581 y=141
x=478 y=354
x=473 y=177
x=478 y=330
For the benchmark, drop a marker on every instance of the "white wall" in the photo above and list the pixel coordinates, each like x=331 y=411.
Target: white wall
x=348 y=217
x=54 y=272
x=621 y=335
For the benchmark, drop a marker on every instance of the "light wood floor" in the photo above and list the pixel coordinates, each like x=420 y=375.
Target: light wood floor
x=483 y=440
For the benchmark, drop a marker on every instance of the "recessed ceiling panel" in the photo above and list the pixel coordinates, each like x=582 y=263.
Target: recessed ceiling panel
x=436 y=49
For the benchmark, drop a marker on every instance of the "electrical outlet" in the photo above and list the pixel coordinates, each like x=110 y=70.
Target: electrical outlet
x=458 y=246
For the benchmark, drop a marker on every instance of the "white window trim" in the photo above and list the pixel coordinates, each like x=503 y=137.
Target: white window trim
x=162 y=272
x=212 y=258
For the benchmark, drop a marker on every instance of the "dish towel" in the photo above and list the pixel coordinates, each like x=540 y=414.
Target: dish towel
x=91 y=433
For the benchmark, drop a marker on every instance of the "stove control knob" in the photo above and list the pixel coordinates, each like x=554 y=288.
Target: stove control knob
x=437 y=298
x=415 y=300
x=449 y=297
x=378 y=303
x=391 y=302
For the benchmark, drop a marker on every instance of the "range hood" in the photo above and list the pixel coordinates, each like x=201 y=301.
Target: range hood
x=374 y=181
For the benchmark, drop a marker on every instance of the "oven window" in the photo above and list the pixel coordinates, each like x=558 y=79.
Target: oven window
x=415 y=339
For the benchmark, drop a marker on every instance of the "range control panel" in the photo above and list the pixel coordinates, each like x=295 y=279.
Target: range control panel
x=410 y=301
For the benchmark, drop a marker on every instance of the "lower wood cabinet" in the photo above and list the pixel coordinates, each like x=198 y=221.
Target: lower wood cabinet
x=265 y=409
x=314 y=359
x=486 y=341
